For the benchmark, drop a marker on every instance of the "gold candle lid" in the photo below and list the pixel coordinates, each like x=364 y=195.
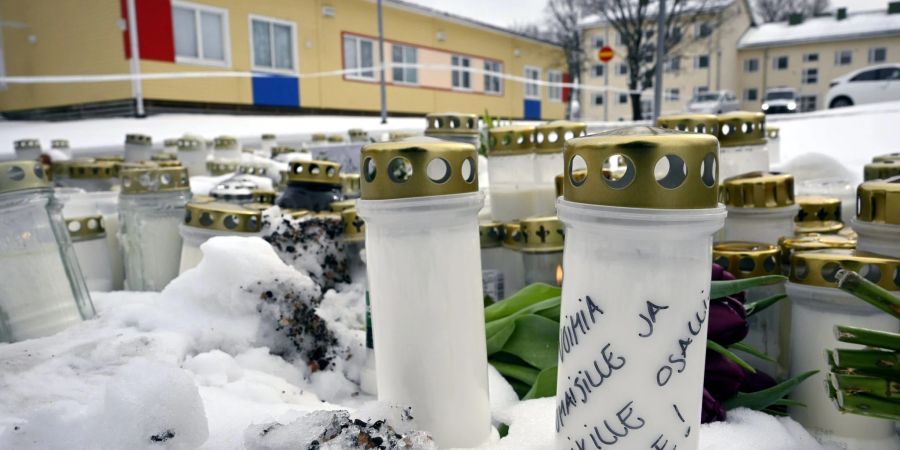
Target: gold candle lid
x=551 y=136
x=225 y=142
x=542 y=235
x=395 y=136
x=420 y=167
x=623 y=169
x=265 y=196
x=138 y=139
x=221 y=167
x=335 y=138
x=268 y=137
x=358 y=133
x=163 y=157
x=258 y=169
x=691 y=123
x=511 y=140
x=748 y=259
x=880 y=170
x=285 y=149
x=189 y=143
x=887 y=157
x=818 y=227
x=111 y=158
x=282 y=180
x=742 y=128
x=321 y=172
x=61 y=168
x=491 y=234
x=354 y=226
x=93 y=169
x=318 y=137
x=150 y=180
x=878 y=201
x=22 y=175
x=773 y=132
x=342 y=205
x=296 y=213
x=759 y=190
x=59 y=143
x=221 y=216
x=169 y=163
x=27 y=144
x=512 y=235
x=818 y=208
x=170 y=142
x=790 y=244
x=85 y=228
x=451 y=123
x=819 y=267
x=350 y=184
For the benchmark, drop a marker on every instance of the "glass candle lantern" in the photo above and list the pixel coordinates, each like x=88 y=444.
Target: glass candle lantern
x=549 y=139
x=217 y=168
x=492 y=253
x=151 y=207
x=62 y=146
x=773 y=144
x=267 y=142
x=511 y=171
x=512 y=265
x=878 y=219
x=881 y=169
x=192 y=153
x=690 y=123
x=742 y=136
x=27 y=149
x=42 y=290
x=450 y=126
x=226 y=148
x=92 y=248
x=91 y=175
x=756 y=259
x=358 y=135
x=203 y=221
x=420 y=201
x=311 y=185
x=635 y=295
x=350 y=185
x=542 y=250
x=761 y=207
x=817 y=214
x=817 y=307
x=138 y=147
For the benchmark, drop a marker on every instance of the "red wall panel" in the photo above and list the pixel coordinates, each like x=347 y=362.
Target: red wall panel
x=156 y=40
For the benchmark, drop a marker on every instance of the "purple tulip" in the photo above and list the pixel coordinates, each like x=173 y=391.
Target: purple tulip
x=727 y=321
x=722 y=377
x=713 y=411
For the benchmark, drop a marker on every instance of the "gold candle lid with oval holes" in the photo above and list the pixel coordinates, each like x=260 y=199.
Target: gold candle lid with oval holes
x=221 y=167
x=819 y=267
x=748 y=259
x=691 y=123
x=253 y=169
x=170 y=142
x=268 y=137
x=93 y=169
x=511 y=140
x=225 y=142
x=59 y=143
x=512 y=235
x=85 y=228
x=354 y=226
x=491 y=234
x=420 y=167
x=759 y=190
x=350 y=184
x=341 y=205
x=551 y=136
x=808 y=242
x=221 y=216
x=110 y=158
x=318 y=137
x=189 y=144
x=542 y=235
x=285 y=149
x=169 y=163
x=163 y=157
x=818 y=227
x=742 y=128
x=321 y=172
x=817 y=208
x=887 y=157
x=395 y=136
x=358 y=133
x=22 y=175
x=880 y=170
x=451 y=123
x=266 y=196
x=878 y=201
x=642 y=167
x=138 y=139
x=151 y=180
x=27 y=144
x=61 y=168
x=335 y=138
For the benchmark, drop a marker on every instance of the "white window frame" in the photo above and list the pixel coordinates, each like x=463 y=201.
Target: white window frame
x=404 y=82
x=357 y=72
x=872 y=53
x=226 y=35
x=697 y=59
x=808 y=60
x=787 y=65
x=747 y=68
x=554 y=93
x=804 y=75
x=462 y=70
x=492 y=73
x=837 y=58
x=273 y=21
x=600 y=38
x=528 y=84
x=698 y=30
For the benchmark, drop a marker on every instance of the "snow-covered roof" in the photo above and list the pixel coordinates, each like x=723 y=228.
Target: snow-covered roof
x=818 y=29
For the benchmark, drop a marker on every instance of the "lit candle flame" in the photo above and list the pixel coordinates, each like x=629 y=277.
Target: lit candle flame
x=559 y=274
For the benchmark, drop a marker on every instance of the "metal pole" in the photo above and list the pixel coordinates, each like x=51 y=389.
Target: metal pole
x=381 y=60
x=606 y=68
x=136 y=89
x=660 y=53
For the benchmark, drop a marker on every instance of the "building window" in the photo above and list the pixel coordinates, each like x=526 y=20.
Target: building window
x=493 y=84
x=843 y=57
x=597 y=99
x=201 y=34
x=673 y=94
x=597 y=41
x=780 y=63
x=810 y=76
x=673 y=64
x=702 y=30
x=751 y=65
x=597 y=70
x=810 y=57
x=619 y=39
x=807 y=103
x=621 y=69
x=272 y=44
x=532 y=88
x=461 y=76
x=403 y=54
x=554 y=92
x=623 y=98
x=877 y=55
x=700 y=90
x=751 y=95
x=701 y=62
x=358 y=57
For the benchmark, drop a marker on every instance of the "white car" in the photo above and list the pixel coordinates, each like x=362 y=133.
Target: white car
x=715 y=102
x=781 y=100
x=873 y=84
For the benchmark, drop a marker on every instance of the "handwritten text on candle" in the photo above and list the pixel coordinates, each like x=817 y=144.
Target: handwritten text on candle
x=679 y=360
x=587 y=379
x=577 y=324
x=609 y=435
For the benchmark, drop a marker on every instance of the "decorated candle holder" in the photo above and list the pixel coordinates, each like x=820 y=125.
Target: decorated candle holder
x=226 y=148
x=151 y=207
x=742 y=136
x=513 y=189
x=203 y=221
x=635 y=295
x=880 y=170
x=492 y=277
x=420 y=202
x=138 y=147
x=690 y=123
x=548 y=160
x=42 y=290
x=817 y=307
x=819 y=215
x=89 y=174
x=219 y=167
x=761 y=207
x=452 y=126
x=511 y=263
x=311 y=185
x=542 y=250
x=192 y=153
x=264 y=196
x=92 y=248
x=773 y=144
x=27 y=149
x=878 y=216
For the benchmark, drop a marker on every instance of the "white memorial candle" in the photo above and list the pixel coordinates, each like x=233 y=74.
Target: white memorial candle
x=192 y=153
x=358 y=135
x=27 y=149
x=514 y=192
x=420 y=202
x=62 y=146
x=226 y=148
x=204 y=220
x=89 y=240
x=138 y=147
x=773 y=144
x=878 y=218
x=268 y=141
x=542 y=249
x=742 y=135
x=635 y=295
x=452 y=126
x=760 y=207
x=170 y=146
x=548 y=161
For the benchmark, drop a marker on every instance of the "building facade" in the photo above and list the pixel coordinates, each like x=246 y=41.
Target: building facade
x=272 y=56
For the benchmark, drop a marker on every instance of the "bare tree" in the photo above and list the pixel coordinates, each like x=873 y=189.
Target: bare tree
x=780 y=10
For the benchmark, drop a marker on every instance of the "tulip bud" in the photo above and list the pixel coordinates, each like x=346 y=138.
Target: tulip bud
x=727 y=321
x=722 y=377
x=713 y=411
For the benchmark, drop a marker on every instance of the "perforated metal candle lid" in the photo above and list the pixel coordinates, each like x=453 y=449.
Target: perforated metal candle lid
x=880 y=170
x=491 y=234
x=86 y=228
x=221 y=216
x=817 y=208
x=354 y=226
x=358 y=133
x=151 y=180
x=691 y=123
x=189 y=144
x=773 y=132
x=92 y=169
x=542 y=235
x=742 y=128
x=451 y=123
x=318 y=137
x=321 y=172
x=59 y=143
x=342 y=205
x=395 y=136
x=163 y=157
x=748 y=259
x=138 y=139
x=253 y=169
x=512 y=235
x=265 y=196
x=268 y=137
x=878 y=201
x=511 y=140
x=550 y=137
x=819 y=267
x=225 y=142
x=22 y=175
x=887 y=157
x=27 y=144
x=335 y=138
x=418 y=167
x=642 y=167
x=350 y=183
x=285 y=149
x=221 y=167
x=759 y=190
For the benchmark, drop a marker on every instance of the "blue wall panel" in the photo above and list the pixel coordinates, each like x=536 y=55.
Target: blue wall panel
x=532 y=109
x=276 y=90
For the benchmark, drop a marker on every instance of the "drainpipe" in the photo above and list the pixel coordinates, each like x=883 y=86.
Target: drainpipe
x=136 y=88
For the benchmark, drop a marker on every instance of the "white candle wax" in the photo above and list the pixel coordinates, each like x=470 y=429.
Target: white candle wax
x=880 y=238
x=93 y=258
x=742 y=159
x=766 y=225
x=546 y=167
x=152 y=248
x=229 y=153
x=194 y=160
x=138 y=152
x=516 y=201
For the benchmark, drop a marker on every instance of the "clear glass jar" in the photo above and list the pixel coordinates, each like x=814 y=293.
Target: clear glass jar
x=90 y=175
x=492 y=282
x=457 y=127
x=92 y=248
x=227 y=148
x=27 y=149
x=151 y=207
x=42 y=290
x=513 y=188
x=192 y=153
x=761 y=207
x=742 y=136
x=312 y=185
x=138 y=147
x=878 y=219
x=78 y=203
x=542 y=250
x=204 y=220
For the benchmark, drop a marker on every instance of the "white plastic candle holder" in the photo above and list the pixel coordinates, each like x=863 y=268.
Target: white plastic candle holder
x=192 y=153
x=205 y=220
x=27 y=149
x=227 y=148
x=878 y=216
x=267 y=142
x=742 y=135
x=548 y=161
x=513 y=189
x=62 y=146
x=760 y=206
x=635 y=296
x=138 y=147
x=358 y=135
x=457 y=127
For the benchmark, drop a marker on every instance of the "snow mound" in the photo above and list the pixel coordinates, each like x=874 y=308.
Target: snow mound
x=752 y=430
